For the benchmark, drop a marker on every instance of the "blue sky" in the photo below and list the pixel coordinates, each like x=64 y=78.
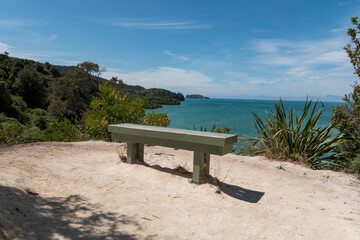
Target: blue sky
x=228 y=49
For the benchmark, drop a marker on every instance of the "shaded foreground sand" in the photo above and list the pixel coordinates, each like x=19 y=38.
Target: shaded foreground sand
x=82 y=190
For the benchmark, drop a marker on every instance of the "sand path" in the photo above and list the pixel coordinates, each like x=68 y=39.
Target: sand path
x=82 y=190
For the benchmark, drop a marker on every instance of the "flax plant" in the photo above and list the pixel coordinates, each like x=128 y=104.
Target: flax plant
x=286 y=135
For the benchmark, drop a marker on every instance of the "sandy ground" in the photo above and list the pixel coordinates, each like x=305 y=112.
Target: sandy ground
x=83 y=191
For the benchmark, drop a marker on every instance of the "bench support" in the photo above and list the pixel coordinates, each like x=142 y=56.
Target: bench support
x=201 y=166
x=135 y=152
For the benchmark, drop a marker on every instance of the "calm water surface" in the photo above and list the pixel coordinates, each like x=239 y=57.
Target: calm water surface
x=234 y=113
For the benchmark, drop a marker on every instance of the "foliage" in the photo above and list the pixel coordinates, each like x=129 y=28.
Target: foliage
x=285 y=135
x=37 y=101
x=18 y=109
x=153 y=97
x=10 y=130
x=156 y=119
x=214 y=128
x=90 y=67
x=32 y=134
x=346 y=117
x=71 y=95
x=32 y=88
x=5 y=98
x=111 y=108
x=13 y=132
x=39 y=117
x=63 y=131
x=354 y=165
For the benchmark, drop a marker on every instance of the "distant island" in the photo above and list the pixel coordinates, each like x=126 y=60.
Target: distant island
x=196 y=96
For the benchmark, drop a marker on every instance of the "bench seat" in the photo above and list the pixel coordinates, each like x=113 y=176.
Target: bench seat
x=202 y=143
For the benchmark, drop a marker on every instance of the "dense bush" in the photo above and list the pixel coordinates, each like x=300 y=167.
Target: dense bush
x=43 y=102
x=156 y=119
x=285 y=135
x=112 y=108
x=38 y=117
x=13 y=132
x=346 y=117
x=32 y=134
x=71 y=95
x=10 y=130
x=63 y=131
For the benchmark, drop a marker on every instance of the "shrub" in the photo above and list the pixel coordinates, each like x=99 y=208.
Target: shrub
x=13 y=132
x=156 y=119
x=38 y=117
x=63 y=131
x=283 y=134
x=10 y=130
x=32 y=134
x=346 y=117
x=355 y=165
x=111 y=108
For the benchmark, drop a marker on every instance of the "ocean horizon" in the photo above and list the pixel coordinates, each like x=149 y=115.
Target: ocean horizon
x=233 y=113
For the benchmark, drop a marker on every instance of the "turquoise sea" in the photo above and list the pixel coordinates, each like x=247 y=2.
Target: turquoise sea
x=234 y=113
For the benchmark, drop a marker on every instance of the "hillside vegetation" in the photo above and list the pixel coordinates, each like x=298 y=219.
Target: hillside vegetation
x=47 y=102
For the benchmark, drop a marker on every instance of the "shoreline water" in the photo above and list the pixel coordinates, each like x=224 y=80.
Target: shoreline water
x=234 y=113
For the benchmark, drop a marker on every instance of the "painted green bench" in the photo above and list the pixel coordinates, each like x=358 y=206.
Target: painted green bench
x=202 y=143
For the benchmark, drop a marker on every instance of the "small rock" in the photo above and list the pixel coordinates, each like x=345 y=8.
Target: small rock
x=281 y=168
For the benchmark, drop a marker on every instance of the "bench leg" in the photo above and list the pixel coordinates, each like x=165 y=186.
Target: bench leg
x=201 y=166
x=135 y=151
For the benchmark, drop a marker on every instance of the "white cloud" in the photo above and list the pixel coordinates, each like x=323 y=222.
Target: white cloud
x=300 y=54
x=4 y=47
x=330 y=57
x=179 y=57
x=159 y=25
x=299 y=71
x=163 y=77
x=335 y=30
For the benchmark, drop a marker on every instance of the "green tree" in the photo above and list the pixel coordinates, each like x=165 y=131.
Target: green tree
x=71 y=95
x=156 y=119
x=63 y=131
x=111 y=108
x=346 y=117
x=5 y=98
x=90 y=68
x=32 y=88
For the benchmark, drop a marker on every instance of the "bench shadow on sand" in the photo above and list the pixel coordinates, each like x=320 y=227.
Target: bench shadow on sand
x=233 y=191
x=27 y=215
x=240 y=193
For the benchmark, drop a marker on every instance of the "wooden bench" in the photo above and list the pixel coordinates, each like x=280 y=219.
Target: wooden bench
x=202 y=143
